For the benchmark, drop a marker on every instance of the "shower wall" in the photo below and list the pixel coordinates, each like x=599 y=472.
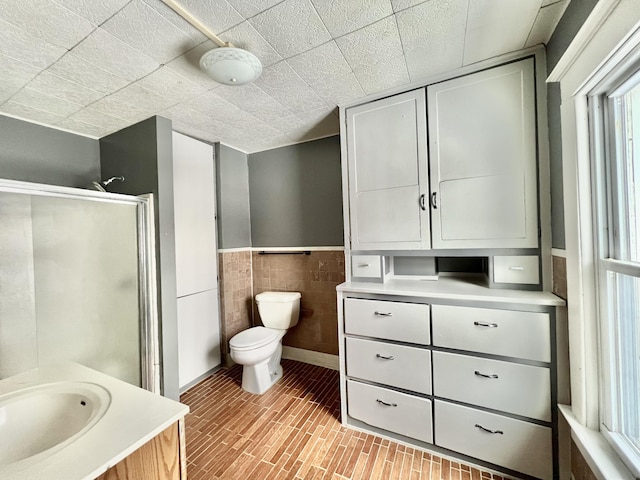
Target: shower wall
x=69 y=284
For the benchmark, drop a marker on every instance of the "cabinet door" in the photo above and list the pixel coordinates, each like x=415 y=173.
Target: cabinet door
x=482 y=158
x=386 y=147
x=194 y=213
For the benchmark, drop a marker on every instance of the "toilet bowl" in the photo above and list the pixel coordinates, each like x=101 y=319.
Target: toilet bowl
x=259 y=349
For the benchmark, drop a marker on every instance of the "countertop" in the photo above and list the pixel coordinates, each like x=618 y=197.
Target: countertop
x=452 y=288
x=133 y=418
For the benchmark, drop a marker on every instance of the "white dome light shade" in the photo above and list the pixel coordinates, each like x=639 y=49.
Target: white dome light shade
x=231 y=66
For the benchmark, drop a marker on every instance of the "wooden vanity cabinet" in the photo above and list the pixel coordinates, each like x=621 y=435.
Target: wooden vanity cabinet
x=161 y=458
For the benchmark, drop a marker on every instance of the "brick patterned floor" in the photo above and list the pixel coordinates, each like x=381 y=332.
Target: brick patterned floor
x=293 y=432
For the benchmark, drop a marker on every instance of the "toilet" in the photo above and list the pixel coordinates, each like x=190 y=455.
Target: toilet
x=259 y=349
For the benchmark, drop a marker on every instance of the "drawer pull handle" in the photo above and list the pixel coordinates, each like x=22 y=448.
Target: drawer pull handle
x=390 y=357
x=482 y=324
x=493 y=375
x=363 y=265
x=517 y=268
x=386 y=404
x=500 y=432
x=383 y=314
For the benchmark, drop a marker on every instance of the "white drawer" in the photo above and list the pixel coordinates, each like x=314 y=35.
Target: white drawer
x=520 y=389
x=394 y=411
x=367 y=266
x=396 y=365
x=521 y=269
x=404 y=322
x=498 y=332
x=522 y=446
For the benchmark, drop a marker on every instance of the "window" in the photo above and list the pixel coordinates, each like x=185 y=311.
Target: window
x=615 y=133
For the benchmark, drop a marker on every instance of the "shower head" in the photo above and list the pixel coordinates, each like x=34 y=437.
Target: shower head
x=100 y=185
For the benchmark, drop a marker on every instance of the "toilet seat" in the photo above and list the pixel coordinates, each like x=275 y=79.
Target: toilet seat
x=253 y=338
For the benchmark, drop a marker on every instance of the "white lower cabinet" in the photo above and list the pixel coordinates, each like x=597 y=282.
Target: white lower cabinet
x=467 y=378
x=515 y=444
x=397 y=412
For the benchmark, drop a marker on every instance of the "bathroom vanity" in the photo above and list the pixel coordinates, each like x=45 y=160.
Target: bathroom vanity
x=447 y=329
x=105 y=429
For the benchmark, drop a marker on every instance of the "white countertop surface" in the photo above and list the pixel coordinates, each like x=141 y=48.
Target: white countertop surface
x=133 y=418
x=452 y=288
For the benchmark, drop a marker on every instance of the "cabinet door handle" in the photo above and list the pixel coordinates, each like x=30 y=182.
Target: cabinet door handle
x=385 y=357
x=482 y=324
x=493 y=375
x=363 y=265
x=386 y=404
x=500 y=432
x=382 y=314
x=434 y=197
x=516 y=268
x=422 y=202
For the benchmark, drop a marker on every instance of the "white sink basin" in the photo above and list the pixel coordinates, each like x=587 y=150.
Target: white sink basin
x=37 y=421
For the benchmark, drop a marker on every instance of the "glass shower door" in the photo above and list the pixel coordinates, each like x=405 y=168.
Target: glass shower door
x=74 y=282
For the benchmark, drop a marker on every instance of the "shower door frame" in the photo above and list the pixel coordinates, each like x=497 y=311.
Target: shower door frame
x=147 y=287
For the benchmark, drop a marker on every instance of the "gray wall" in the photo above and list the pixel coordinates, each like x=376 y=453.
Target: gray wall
x=232 y=197
x=33 y=153
x=143 y=154
x=573 y=18
x=296 y=195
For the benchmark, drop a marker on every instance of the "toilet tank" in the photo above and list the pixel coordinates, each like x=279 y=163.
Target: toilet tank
x=279 y=310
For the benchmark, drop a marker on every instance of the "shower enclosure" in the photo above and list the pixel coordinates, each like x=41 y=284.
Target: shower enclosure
x=77 y=281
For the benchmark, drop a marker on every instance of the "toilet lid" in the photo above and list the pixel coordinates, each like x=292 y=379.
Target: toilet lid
x=253 y=338
x=277 y=296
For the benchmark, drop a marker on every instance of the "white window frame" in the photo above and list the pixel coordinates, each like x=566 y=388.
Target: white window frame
x=620 y=79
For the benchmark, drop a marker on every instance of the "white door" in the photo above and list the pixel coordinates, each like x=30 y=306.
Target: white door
x=482 y=158
x=386 y=148
x=196 y=258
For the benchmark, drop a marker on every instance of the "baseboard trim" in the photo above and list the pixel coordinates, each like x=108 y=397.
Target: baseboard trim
x=309 y=356
x=197 y=380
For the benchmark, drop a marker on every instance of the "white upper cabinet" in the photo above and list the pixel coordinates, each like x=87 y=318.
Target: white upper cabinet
x=194 y=210
x=388 y=186
x=482 y=148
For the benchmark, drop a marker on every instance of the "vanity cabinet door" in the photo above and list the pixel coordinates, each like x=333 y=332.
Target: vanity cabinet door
x=482 y=158
x=388 y=187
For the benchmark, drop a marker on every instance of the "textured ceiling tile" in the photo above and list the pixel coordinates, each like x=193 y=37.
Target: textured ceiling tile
x=94 y=11
x=247 y=37
x=94 y=117
x=325 y=126
x=249 y=8
x=283 y=123
x=132 y=103
x=187 y=116
x=291 y=27
x=64 y=89
x=75 y=69
x=399 y=5
x=107 y=52
x=339 y=89
x=344 y=17
x=379 y=77
x=437 y=46
x=16 y=43
x=373 y=44
x=14 y=73
x=546 y=22
x=217 y=15
x=168 y=13
x=7 y=91
x=30 y=113
x=144 y=29
x=252 y=100
x=168 y=84
x=495 y=27
x=84 y=128
x=321 y=64
x=47 y=20
x=42 y=101
x=188 y=65
x=212 y=104
x=282 y=83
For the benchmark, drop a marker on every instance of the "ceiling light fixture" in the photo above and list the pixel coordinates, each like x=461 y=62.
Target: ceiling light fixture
x=226 y=64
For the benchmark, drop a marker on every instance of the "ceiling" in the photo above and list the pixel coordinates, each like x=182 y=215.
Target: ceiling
x=93 y=67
